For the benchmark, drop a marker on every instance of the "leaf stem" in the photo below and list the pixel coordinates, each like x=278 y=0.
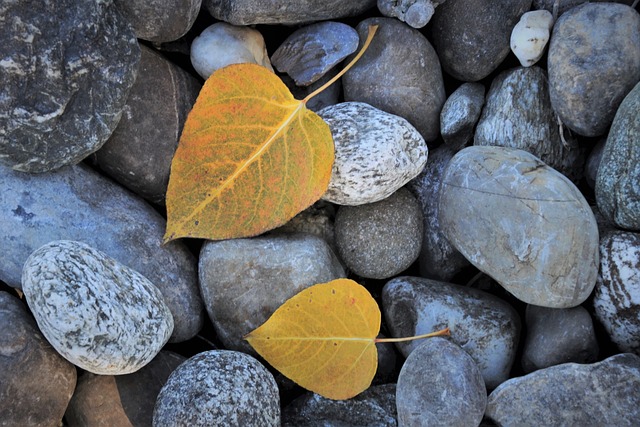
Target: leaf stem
x=439 y=333
x=372 y=31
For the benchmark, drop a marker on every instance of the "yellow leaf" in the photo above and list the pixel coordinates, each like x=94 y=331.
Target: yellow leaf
x=324 y=339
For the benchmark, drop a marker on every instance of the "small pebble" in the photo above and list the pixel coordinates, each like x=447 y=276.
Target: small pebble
x=530 y=36
x=460 y=114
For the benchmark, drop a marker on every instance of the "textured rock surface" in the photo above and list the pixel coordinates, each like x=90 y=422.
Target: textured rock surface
x=460 y=114
x=248 y=12
x=485 y=326
x=558 y=335
x=440 y=384
x=617 y=294
x=243 y=281
x=218 y=387
x=77 y=204
x=379 y=240
x=472 y=36
x=36 y=383
x=518 y=114
x=159 y=20
x=375 y=407
x=139 y=152
x=376 y=153
x=604 y=393
x=106 y=400
x=593 y=62
x=308 y=53
x=528 y=227
x=416 y=13
x=400 y=74
x=66 y=71
x=97 y=313
x=617 y=188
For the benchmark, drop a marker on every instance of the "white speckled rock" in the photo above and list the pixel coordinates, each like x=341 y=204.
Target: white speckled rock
x=97 y=313
x=376 y=153
x=222 y=44
x=530 y=36
x=218 y=388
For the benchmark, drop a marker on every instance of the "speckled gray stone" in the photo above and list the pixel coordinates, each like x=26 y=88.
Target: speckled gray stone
x=440 y=385
x=617 y=294
x=593 y=62
x=460 y=113
x=379 y=240
x=522 y=223
x=600 y=394
x=376 y=153
x=218 y=388
x=308 y=53
x=243 y=281
x=157 y=20
x=97 y=313
x=485 y=326
x=66 y=71
x=36 y=383
x=618 y=178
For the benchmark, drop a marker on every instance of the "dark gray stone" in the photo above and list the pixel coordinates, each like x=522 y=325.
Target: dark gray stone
x=249 y=12
x=440 y=385
x=485 y=326
x=66 y=71
x=400 y=74
x=75 y=203
x=107 y=400
x=308 y=53
x=36 y=383
x=379 y=240
x=438 y=258
x=460 y=114
x=472 y=36
x=158 y=20
x=600 y=394
x=139 y=152
x=218 y=388
x=374 y=407
x=558 y=335
x=244 y=281
x=522 y=223
x=97 y=313
x=593 y=62
x=617 y=294
x=617 y=189
x=593 y=163
x=317 y=220
x=518 y=114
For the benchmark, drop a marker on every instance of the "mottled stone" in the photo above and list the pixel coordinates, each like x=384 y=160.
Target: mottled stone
x=617 y=294
x=107 y=400
x=604 y=393
x=249 y=12
x=593 y=163
x=618 y=178
x=66 y=71
x=460 y=113
x=400 y=74
x=518 y=114
x=36 y=383
x=484 y=326
x=97 y=313
x=522 y=223
x=472 y=36
x=159 y=20
x=438 y=258
x=376 y=153
x=243 y=281
x=375 y=407
x=318 y=219
x=440 y=385
x=379 y=240
x=218 y=388
x=75 y=203
x=308 y=53
x=593 y=62
x=416 y=13
x=558 y=335
x=139 y=152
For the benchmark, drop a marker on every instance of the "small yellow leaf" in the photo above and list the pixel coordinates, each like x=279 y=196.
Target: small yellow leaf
x=324 y=339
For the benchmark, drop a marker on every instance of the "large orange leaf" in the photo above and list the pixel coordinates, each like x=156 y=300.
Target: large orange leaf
x=324 y=339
